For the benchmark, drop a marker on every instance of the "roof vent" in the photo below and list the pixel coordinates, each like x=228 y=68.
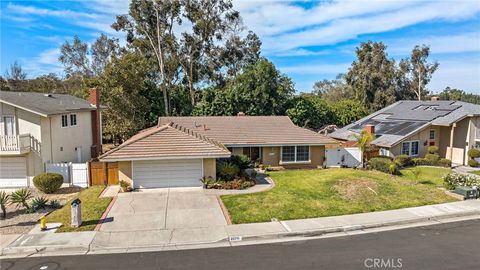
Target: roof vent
x=240 y=114
x=48 y=95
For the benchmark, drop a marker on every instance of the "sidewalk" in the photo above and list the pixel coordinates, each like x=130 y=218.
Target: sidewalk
x=230 y=235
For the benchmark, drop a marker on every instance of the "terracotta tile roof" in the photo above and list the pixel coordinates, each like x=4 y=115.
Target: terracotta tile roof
x=250 y=130
x=167 y=141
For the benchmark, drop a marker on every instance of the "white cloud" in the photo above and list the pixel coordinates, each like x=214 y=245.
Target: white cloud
x=29 y=10
x=320 y=68
x=45 y=62
x=462 y=74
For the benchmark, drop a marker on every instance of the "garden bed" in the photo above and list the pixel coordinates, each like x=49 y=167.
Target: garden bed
x=18 y=221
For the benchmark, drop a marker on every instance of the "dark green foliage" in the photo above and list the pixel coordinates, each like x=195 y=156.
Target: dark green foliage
x=445 y=162
x=55 y=204
x=403 y=160
x=48 y=182
x=432 y=158
x=474 y=153
x=457 y=94
x=241 y=161
x=227 y=171
x=385 y=165
x=432 y=149
x=472 y=163
x=4 y=199
x=39 y=203
x=20 y=198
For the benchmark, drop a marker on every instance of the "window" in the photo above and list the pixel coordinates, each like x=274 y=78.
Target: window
x=432 y=134
x=73 y=119
x=303 y=153
x=288 y=154
x=292 y=154
x=414 y=148
x=64 y=120
x=410 y=148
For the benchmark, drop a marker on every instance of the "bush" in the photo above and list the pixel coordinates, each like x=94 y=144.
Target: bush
x=48 y=182
x=420 y=161
x=445 y=162
x=55 y=204
x=432 y=149
x=454 y=179
x=227 y=171
x=39 y=203
x=472 y=163
x=392 y=168
x=241 y=161
x=432 y=158
x=239 y=183
x=403 y=160
x=474 y=153
x=20 y=198
x=382 y=164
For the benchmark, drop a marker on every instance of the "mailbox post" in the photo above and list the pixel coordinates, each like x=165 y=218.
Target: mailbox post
x=76 y=210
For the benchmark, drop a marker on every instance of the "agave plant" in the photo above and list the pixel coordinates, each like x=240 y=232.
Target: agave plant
x=39 y=203
x=21 y=197
x=4 y=198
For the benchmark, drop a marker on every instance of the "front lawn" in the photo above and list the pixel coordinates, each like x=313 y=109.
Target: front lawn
x=428 y=175
x=330 y=192
x=475 y=172
x=92 y=210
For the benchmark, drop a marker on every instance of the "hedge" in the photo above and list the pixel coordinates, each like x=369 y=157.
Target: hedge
x=48 y=182
x=383 y=164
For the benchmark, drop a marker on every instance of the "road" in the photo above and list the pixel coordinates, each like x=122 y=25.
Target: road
x=445 y=246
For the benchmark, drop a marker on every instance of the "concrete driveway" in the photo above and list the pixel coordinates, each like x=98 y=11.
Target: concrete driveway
x=164 y=209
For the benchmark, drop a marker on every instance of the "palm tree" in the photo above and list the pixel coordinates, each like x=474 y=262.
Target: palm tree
x=363 y=142
x=4 y=198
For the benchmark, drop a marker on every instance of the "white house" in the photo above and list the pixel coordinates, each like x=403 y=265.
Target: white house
x=37 y=129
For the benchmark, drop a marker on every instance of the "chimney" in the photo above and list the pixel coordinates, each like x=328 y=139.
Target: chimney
x=434 y=98
x=370 y=128
x=240 y=114
x=94 y=99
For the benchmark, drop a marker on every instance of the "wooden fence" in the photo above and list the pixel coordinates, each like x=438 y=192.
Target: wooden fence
x=103 y=173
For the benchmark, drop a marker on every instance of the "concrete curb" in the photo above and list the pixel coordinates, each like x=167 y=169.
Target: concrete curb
x=105 y=214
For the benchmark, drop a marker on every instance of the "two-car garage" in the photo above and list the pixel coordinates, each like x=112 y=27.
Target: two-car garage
x=167 y=173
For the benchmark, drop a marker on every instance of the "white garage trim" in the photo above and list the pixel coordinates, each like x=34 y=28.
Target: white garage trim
x=13 y=172
x=167 y=173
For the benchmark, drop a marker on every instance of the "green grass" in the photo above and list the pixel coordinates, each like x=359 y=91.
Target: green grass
x=330 y=192
x=92 y=210
x=431 y=175
x=475 y=172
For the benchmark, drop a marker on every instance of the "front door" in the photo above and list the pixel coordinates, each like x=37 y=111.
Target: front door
x=252 y=152
x=78 y=151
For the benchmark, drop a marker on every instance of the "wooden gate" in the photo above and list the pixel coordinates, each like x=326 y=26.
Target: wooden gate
x=103 y=173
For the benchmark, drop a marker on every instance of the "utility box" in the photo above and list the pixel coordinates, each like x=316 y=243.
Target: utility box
x=76 y=209
x=467 y=192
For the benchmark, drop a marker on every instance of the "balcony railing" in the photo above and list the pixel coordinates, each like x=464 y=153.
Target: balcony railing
x=18 y=144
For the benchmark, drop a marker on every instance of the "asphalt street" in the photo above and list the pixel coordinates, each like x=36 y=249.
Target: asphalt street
x=445 y=246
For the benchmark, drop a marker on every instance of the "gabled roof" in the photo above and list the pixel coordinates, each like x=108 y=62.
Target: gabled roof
x=168 y=141
x=396 y=122
x=45 y=104
x=250 y=130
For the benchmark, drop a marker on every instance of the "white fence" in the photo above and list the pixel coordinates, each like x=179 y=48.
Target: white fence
x=343 y=157
x=75 y=174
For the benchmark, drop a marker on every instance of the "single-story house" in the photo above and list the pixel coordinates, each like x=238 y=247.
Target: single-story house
x=410 y=127
x=179 y=151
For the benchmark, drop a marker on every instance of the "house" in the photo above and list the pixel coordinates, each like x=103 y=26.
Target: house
x=410 y=127
x=37 y=129
x=179 y=151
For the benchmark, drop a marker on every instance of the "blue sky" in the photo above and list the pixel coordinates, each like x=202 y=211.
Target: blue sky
x=307 y=40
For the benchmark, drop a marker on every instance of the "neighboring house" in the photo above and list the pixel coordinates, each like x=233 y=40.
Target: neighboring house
x=37 y=129
x=410 y=127
x=182 y=150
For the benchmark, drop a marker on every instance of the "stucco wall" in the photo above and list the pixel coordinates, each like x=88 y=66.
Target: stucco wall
x=237 y=151
x=423 y=138
x=209 y=167
x=64 y=140
x=25 y=122
x=271 y=156
x=125 y=171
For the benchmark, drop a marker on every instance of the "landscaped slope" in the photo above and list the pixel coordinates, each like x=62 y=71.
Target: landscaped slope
x=329 y=192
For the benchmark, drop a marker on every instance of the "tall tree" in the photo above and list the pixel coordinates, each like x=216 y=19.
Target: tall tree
x=15 y=77
x=102 y=51
x=419 y=70
x=333 y=90
x=149 y=26
x=372 y=76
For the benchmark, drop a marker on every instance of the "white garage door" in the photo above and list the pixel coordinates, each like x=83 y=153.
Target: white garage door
x=13 y=172
x=167 y=173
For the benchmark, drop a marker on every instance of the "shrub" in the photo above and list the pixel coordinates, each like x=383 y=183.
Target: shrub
x=20 y=198
x=454 y=179
x=381 y=164
x=48 y=182
x=420 y=161
x=432 y=158
x=227 y=171
x=403 y=160
x=472 y=163
x=392 y=168
x=445 y=162
x=125 y=186
x=39 y=203
x=4 y=198
x=55 y=204
x=241 y=161
x=432 y=149
x=474 y=153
